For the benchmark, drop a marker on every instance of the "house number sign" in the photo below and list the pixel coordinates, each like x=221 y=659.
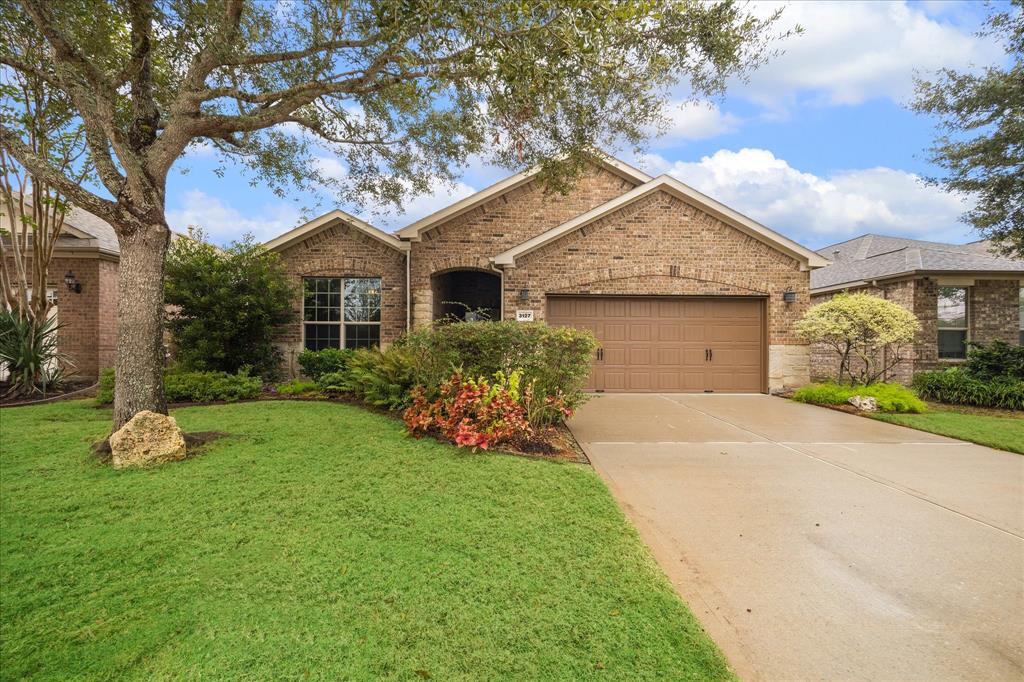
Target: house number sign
x=524 y=316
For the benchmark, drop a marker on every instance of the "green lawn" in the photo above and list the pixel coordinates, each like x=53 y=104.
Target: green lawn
x=1004 y=433
x=318 y=541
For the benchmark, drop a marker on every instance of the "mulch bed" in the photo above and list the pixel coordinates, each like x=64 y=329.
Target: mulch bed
x=70 y=390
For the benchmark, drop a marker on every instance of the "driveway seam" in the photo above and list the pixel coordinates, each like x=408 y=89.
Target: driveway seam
x=881 y=482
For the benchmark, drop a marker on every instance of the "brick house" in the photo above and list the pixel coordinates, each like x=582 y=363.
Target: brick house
x=83 y=283
x=683 y=293
x=959 y=293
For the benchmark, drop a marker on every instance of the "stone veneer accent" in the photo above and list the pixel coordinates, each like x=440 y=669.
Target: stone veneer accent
x=994 y=314
x=341 y=250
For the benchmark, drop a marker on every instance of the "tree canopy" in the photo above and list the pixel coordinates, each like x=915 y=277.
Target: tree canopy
x=981 y=144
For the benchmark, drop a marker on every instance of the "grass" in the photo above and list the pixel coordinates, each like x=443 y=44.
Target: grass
x=1003 y=433
x=319 y=541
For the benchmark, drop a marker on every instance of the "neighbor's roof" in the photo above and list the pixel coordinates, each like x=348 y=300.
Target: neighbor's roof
x=875 y=256
x=609 y=163
x=327 y=220
x=687 y=194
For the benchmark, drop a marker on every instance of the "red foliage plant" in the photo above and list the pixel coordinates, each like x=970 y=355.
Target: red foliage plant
x=474 y=413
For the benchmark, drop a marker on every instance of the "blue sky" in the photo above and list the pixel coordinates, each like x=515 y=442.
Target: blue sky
x=817 y=145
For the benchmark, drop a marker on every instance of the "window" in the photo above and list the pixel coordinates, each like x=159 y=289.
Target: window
x=953 y=316
x=1020 y=315
x=341 y=313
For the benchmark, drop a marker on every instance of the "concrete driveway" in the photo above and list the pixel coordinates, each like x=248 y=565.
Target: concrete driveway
x=816 y=545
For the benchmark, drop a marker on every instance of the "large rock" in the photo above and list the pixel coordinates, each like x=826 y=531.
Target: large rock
x=149 y=438
x=864 y=403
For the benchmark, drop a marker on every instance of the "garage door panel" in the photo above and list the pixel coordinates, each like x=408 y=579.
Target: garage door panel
x=640 y=357
x=662 y=344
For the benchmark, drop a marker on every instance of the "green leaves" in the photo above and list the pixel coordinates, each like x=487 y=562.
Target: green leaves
x=981 y=119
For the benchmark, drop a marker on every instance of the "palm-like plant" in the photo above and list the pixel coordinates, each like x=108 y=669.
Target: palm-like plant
x=29 y=354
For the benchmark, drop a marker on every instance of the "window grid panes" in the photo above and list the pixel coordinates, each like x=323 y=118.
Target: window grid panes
x=341 y=312
x=953 y=315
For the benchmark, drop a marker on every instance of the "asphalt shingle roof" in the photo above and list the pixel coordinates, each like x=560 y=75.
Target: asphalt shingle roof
x=875 y=256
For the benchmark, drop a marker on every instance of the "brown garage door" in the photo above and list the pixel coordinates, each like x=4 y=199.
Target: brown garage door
x=670 y=344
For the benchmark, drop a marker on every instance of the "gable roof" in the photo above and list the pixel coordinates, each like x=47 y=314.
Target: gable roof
x=668 y=184
x=467 y=204
x=333 y=218
x=875 y=256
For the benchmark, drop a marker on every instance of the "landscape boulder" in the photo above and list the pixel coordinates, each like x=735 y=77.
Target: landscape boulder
x=148 y=438
x=864 y=403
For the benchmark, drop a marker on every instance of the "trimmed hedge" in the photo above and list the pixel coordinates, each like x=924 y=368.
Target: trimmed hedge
x=890 y=397
x=193 y=387
x=317 y=363
x=959 y=387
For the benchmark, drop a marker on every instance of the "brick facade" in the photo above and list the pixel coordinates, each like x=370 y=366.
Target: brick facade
x=657 y=245
x=993 y=314
x=344 y=251
x=647 y=248
x=471 y=239
x=88 y=334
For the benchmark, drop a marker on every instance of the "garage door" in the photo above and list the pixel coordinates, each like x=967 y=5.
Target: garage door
x=650 y=344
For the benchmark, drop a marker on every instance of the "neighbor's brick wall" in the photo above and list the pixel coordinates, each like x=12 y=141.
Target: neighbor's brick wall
x=661 y=245
x=993 y=315
x=344 y=251
x=469 y=240
x=85 y=317
x=996 y=311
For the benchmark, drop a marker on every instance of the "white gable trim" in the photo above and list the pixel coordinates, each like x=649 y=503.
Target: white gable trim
x=683 y=192
x=328 y=219
x=467 y=204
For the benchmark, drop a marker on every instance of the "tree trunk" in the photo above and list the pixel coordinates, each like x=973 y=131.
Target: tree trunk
x=140 y=314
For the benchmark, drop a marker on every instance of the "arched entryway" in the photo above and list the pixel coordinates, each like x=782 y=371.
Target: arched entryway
x=469 y=295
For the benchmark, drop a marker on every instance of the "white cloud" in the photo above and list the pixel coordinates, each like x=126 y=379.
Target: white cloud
x=223 y=223
x=851 y=52
x=819 y=210
x=696 y=121
x=330 y=167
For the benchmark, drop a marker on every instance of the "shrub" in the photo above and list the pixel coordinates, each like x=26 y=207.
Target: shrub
x=229 y=302
x=30 y=355
x=555 y=361
x=316 y=363
x=198 y=387
x=959 y=387
x=473 y=413
x=866 y=332
x=333 y=383
x=380 y=378
x=298 y=387
x=995 y=360
x=890 y=397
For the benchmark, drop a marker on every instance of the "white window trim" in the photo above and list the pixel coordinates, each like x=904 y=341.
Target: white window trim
x=342 y=322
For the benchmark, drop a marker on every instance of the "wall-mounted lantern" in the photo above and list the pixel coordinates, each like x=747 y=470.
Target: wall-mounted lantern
x=72 y=282
x=524 y=294
x=789 y=296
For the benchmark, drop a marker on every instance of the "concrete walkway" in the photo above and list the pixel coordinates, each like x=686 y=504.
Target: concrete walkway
x=816 y=545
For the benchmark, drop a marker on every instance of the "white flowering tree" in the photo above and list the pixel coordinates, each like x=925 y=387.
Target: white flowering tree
x=869 y=334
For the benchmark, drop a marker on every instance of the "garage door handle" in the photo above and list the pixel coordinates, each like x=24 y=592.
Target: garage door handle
x=600 y=353
x=711 y=353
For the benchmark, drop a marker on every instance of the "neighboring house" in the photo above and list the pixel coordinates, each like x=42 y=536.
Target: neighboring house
x=959 y=293
x=683 y=293
x=83 y=282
